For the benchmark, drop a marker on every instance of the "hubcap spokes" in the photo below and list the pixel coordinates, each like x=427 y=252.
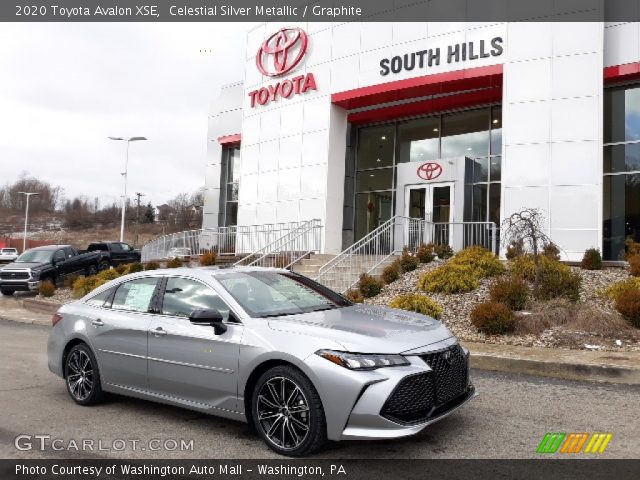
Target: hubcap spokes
x=80 y=375
x=283 y=413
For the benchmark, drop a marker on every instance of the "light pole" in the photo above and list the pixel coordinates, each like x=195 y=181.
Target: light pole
x=124 y=174
x=26 y=218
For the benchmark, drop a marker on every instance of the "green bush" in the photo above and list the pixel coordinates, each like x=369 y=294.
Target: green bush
x=493 y=318
x=591 y=260
x=152 y=266
x=391 y=272
x=108 y=275
x=208 y=258
x=354 y=296
x=628 y=305
x=46 y=288
x=135 y=267
x=369 y=286
x=481 y=260
x=417 y=303
x=631 y=248
x=449 y=278
x=425 y=253
x=634 y=264
x=551 y=250
x=513 y=291
x=443 y=251
x=557 y=282
x=614 y=290
x=408 y=262
x=84 y=285
x=523 y=266
x=121 y=269
x=174 y=263
x=69 y=279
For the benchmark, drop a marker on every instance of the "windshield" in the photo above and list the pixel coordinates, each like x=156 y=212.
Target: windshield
x=272 y=294
x=9 y=250
x=35 y=256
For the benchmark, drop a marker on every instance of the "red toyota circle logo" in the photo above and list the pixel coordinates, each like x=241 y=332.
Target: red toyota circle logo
x=282 y=51
x=429 y=171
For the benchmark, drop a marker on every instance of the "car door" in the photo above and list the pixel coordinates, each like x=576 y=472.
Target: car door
x=118 y=333
x=59 y=259
x=190 y=362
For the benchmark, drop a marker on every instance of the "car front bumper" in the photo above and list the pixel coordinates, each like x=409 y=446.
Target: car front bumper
x=20 y=285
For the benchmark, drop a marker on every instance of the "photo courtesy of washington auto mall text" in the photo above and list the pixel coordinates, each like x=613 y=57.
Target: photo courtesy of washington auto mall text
x=360 y=239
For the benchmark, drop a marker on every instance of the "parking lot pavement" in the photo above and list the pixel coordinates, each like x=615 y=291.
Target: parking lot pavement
x=507 y=420
x=11 y=308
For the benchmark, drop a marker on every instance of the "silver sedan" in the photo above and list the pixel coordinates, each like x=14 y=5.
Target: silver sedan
x=265 y=346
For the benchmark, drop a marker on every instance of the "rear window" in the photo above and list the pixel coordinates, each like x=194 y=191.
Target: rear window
x=97 y=246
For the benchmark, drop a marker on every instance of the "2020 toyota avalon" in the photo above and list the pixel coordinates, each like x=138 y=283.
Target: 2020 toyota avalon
x=266 y=346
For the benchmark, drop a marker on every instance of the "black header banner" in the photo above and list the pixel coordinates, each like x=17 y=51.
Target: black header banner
x=318 y=11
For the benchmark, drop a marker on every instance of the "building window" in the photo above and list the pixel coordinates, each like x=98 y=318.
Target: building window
x=475 y=134
x=621 y=167
x=229 y=185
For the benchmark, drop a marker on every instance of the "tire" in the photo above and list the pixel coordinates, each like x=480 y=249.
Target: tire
x=103 y=265
x=7 y=291
x=82 y=378
x=91 y=270
x=301 y=416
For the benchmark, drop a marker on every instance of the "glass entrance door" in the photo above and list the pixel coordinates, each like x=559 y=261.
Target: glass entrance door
x=434 y=204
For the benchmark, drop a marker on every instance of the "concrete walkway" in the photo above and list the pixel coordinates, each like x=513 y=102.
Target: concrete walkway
x=11 y=309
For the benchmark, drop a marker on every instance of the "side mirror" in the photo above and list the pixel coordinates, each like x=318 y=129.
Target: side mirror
x=209 y=318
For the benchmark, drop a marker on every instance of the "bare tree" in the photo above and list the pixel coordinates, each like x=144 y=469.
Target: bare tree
x=526 y=228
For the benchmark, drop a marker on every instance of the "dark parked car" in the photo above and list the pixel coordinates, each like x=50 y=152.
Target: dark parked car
x=114 y=253
x=53 y=263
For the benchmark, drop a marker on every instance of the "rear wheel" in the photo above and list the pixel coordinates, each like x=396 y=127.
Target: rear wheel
x=82 y=376
x=287 y=412
x=91 y=270
x=7 y=291
x=103 y=265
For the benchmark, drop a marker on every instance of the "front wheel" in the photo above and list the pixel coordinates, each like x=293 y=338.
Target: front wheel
x=287 y=412
x=103 y=265
x=82 y=376
x=91 y=270
x=7 y=291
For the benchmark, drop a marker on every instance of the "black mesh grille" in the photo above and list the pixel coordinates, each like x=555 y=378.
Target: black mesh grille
x=450 y=372
x=412 y=399
x=417 y=397
x=14 y=275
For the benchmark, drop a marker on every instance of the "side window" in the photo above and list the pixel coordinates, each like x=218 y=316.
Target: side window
x=135 y=295
x=116 y=247
x=59 y=256
x=68 y=252
x=125 y=247
x=100 y=299
x=182 y=296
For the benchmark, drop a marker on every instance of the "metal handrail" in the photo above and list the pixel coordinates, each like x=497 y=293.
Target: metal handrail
x=288 y=249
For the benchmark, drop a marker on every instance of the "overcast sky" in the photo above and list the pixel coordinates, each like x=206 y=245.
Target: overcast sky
x=65 y=87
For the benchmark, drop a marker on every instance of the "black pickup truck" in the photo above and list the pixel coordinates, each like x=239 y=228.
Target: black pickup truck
x=53 y=262
x=113 y=253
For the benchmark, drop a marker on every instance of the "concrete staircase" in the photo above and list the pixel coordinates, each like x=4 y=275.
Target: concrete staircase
x=341 y=275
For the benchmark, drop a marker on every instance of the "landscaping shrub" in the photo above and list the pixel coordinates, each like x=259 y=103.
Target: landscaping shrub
x=107 y=275
x=84 y=285
x=551 y=250
x=634 y=264
x=121 y=269
x=354 y=296
x=417 y=303
x=493 y=318
x=391 y=272
x=408 y=263
x=425 y=253
x=515 y=249
x=207 y=259
x=174 y=263
x=443 y=251
x=152 y=266
x=135 y=267
x=46 y=288
x=481 y=260
x=614 y=290
x=523 y=266
x=592 y=260
x=628 y=305
x=449 y=278
x=558 y=281
x=512 y=291
x=369 y=286
x=69 y=279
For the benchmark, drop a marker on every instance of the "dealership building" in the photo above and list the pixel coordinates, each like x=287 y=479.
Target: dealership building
x=453 y=123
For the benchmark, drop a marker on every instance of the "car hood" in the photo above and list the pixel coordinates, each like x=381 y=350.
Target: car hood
x=366 y=328
x=15 y=265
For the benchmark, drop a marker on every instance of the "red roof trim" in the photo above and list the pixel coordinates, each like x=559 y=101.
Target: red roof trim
x=439 y=83
x=622 y=73
x=228 y=140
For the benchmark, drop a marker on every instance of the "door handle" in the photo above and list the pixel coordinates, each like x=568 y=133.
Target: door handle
x=97 y=322
x=158 y=332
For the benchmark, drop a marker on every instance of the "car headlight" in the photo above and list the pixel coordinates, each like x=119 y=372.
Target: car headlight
x=35 y=274
x=362 y=361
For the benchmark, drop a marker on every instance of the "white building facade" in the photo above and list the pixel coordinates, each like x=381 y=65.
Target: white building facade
x=355 y=123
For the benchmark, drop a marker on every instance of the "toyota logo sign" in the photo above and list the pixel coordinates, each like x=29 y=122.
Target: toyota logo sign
x=429 y=171
x=282 y=51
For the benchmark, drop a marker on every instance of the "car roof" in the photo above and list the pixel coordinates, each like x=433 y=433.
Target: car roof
x=208 y=272
x=51 y=247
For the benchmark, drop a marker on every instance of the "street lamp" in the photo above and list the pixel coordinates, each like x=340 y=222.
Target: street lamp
x=26 y=218
x=124 y=174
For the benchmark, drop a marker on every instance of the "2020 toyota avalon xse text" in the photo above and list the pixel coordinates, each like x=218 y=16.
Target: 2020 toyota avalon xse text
x=265 y=346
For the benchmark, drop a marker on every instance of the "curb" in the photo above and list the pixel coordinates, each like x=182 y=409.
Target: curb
x=40 y=306
x=602 y=372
